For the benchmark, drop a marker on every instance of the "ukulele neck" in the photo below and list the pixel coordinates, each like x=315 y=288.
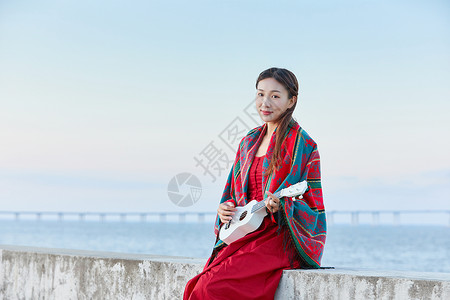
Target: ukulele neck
x=262 y=204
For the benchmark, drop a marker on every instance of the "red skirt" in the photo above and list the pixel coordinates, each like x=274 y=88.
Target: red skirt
x=249 y=268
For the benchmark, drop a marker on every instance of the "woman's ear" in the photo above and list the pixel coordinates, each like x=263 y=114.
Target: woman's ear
x=292 y=101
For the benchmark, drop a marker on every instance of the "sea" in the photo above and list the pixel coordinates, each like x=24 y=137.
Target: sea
x=423 y=248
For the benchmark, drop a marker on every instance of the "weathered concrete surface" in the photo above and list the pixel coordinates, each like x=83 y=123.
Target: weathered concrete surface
x=39 y=273
x=42 y=273
x=362 y=284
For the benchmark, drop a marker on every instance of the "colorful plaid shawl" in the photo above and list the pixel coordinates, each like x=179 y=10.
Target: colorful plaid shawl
x=300 y=161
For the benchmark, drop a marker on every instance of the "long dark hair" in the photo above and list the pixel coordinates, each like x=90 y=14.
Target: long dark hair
x=289 y=81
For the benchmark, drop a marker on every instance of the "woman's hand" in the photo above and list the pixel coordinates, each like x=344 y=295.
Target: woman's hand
x=272 y=203
x=226 y=211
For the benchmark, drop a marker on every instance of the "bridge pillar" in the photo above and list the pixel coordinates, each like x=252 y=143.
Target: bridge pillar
x=123 y=217
x=81 y=216
x=396 y=217
x=143 y=217
x=162 y=217
x=376 y=217
x=355 y=218
x=182 y=217
x=330 y=217
x=201 y=217
x=60 y=217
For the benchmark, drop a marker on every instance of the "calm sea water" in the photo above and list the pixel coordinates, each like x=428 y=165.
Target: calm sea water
x=383 y=247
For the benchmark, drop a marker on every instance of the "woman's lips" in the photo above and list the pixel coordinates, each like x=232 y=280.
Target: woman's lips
x=266 y=112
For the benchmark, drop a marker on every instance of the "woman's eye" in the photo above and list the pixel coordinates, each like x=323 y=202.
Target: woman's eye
x=260 y=94
x=275 y=96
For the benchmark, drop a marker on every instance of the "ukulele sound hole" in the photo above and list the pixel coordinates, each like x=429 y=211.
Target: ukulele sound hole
x=243 y=216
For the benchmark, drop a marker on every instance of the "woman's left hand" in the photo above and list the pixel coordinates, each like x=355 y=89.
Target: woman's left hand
x=272 y=203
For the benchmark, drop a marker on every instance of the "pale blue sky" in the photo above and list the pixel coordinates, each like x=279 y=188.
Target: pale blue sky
x=103 y=102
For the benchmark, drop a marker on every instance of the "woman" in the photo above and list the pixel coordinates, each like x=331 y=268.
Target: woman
x=270 y=158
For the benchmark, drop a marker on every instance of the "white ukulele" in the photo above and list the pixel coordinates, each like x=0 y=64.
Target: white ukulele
x=247 y=218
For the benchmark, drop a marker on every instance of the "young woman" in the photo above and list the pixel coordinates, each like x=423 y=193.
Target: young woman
x=270 y=158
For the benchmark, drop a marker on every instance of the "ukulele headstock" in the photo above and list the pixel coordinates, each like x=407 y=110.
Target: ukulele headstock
x=296 y=189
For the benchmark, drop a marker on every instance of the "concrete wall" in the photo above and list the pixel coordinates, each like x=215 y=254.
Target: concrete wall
x=41 y=273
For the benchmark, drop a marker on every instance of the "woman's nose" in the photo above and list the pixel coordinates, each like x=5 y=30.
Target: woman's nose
x=265 y=101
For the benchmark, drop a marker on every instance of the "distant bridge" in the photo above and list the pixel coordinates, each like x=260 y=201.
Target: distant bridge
x=103 y=216
x=355 y=214
x=201 y=216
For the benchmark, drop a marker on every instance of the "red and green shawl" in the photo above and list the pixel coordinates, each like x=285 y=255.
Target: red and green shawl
x=300 y=161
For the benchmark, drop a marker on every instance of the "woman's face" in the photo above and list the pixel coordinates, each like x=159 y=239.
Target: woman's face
x=272 y=100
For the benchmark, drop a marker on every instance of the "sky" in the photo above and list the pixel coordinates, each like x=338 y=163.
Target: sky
x=104 y=103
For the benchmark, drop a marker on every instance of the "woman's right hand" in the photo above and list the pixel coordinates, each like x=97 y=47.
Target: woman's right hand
x=226 y=211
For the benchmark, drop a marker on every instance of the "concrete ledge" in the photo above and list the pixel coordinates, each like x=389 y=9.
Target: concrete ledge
x=362 y=284
x=39 y=273
x=42 y=273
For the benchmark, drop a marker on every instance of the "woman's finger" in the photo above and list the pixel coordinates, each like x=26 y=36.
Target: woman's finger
x=273 y=197
x=269 y=205
x=274 y=206
x=226 y=211
x=228 y=208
